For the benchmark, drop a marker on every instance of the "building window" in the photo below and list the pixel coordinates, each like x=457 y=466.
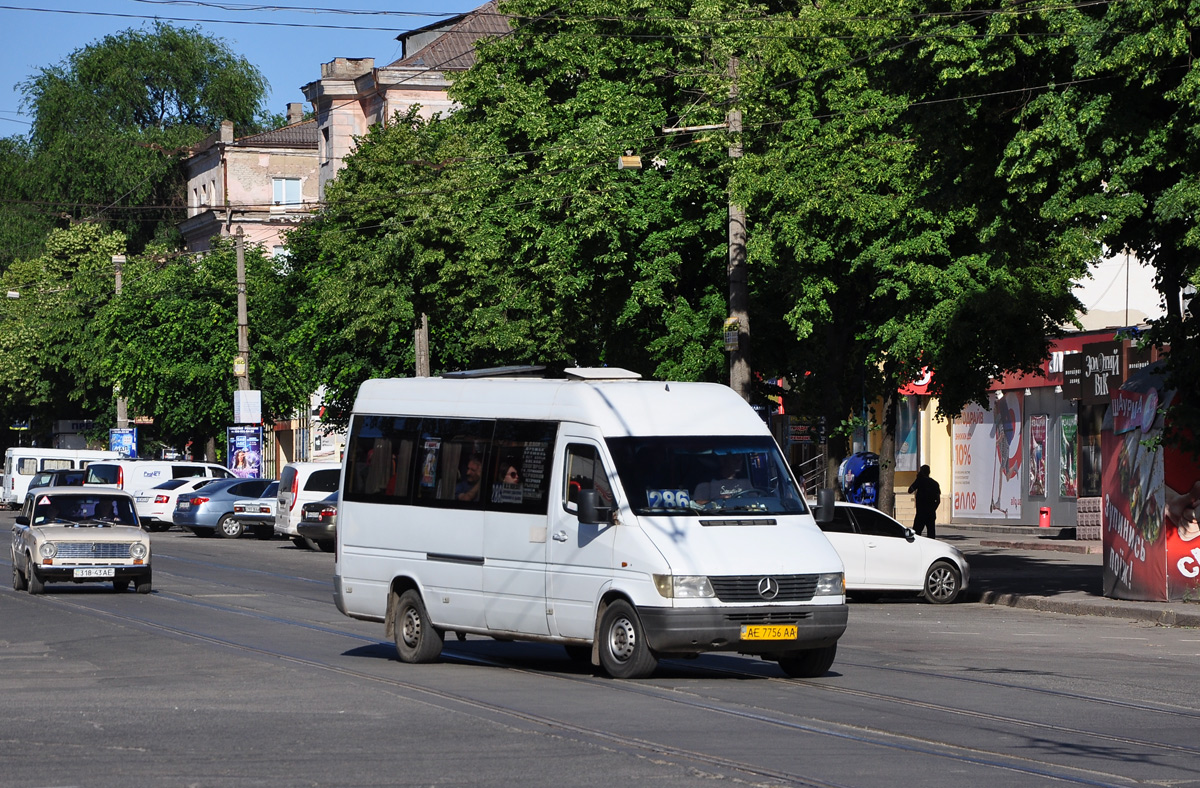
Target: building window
x=286 y=191
x=204 y=194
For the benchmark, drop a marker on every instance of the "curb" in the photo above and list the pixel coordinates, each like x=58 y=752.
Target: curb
x=1090 y=607
x=1059 y=547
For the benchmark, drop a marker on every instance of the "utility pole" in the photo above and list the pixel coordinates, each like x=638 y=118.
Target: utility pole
x=421 y=347
x=737 y=327
x=739 y=288
x=242 y=366
x=118 y=260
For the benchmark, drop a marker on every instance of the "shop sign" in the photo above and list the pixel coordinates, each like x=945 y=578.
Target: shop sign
x=1072 y=385
x=1102 y=372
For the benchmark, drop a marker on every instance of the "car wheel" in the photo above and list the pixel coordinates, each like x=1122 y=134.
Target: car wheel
x=18 y=578
x=229 y=528
x=417 y=640
x=142 y=584
x=264 y=532
x=327 y=545
x=34 y=581
x=121 y=586
x=159 y=527
x=624 y=652
x=942 y=583
x=300 y=541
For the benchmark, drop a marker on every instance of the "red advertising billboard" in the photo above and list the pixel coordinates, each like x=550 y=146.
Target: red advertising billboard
x=1151 y=494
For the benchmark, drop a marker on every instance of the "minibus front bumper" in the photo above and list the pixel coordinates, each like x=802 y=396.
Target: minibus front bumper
x=700 y=630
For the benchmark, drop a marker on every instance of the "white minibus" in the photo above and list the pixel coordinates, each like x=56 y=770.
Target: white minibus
x=627 y=520
x=22 y=462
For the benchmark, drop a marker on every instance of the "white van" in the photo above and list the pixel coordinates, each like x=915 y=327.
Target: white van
x=627 y=520
x=139 y=475
x=21 y=463
x=301 y=483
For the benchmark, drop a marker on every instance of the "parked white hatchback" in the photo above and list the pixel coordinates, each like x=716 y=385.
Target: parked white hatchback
x=79 y=535
x=881 y=555
x=301 y=483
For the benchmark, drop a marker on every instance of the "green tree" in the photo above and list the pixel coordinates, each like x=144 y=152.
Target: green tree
x=112 y=121
x=1115 y=150
x=176 y=326
x=885 y=236
x=50 y=355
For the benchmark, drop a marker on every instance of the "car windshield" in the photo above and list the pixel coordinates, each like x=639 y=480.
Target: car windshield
x=83 y=510
x=704 y=475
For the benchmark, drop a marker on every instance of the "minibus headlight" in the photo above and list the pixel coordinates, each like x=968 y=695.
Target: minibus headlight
x=832 y=584
x=683 y=586
x=48 y=550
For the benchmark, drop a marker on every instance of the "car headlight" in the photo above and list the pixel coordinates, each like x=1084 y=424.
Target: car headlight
x=683 y=586
x=48 y=550
x=832 y=584
x=138 y=550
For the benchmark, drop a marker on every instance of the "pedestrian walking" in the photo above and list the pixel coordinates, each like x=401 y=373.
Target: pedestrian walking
x=929 y=494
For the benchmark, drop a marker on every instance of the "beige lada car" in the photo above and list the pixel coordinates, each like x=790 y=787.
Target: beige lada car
x=79 y=535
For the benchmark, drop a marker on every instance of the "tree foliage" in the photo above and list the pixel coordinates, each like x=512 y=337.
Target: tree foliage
x=111 y=124
x=50 y=354
x=175 y=323
x=1116 y=150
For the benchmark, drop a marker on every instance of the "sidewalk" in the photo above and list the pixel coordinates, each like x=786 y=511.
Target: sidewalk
x=1047 y=569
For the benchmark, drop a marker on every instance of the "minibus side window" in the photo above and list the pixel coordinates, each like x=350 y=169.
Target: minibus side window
x=452 y=455
x=518 y=476
x=55 y=464
x=379 y=459
x=27 y=466
x=585 y=471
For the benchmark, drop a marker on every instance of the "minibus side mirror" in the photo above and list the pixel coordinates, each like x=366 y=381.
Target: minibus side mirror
x=825 y=503
x=590 y=510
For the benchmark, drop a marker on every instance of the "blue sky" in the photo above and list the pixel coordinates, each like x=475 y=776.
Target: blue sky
x=287 y=40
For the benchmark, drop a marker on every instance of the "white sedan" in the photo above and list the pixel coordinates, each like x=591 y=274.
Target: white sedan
x=155 y=506
x=882 y=555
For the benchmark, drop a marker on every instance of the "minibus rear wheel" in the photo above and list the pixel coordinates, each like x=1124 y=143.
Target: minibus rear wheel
x=624 y=653
x=810 y=663
x=417 y=640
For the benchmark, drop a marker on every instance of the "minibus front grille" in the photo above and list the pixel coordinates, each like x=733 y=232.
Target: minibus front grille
x=768 y=618
x=768 y=588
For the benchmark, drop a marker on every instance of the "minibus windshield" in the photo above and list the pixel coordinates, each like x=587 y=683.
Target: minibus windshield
x=693 y=475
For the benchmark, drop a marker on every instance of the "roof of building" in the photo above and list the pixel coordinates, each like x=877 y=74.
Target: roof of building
x=454 y=50
x=296 y=135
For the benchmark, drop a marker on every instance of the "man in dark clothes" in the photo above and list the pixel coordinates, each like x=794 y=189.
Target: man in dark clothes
x=929 y=495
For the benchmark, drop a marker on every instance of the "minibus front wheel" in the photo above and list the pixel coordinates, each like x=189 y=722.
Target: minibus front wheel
x=810 y=663
x=624 y=652
x=417 y=640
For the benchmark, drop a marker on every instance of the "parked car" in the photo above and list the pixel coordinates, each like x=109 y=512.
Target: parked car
x=79 y=535
x=257 y=515
x=142 y=474
x=61 y=477
x=318 y=522
x=301 y=483
x=209 y=510
x=156 y=506
x=881 y=555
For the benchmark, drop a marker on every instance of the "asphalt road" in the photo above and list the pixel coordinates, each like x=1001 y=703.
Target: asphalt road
x=238 y=671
